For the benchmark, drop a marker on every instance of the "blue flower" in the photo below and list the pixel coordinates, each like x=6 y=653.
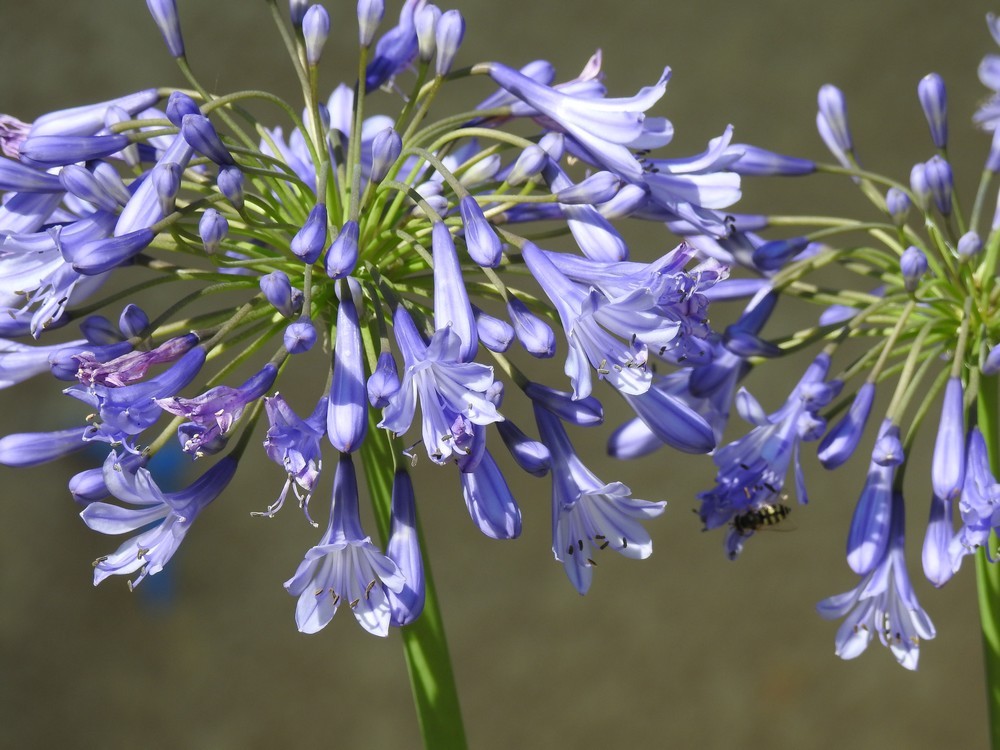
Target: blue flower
x=452 y=393
x=295 y=445
x=345 y=567
x=752 y=469
x=589 y=515
x=173 y=513
x=882 y=603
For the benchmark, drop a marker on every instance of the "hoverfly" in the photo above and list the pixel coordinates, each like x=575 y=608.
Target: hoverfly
x=754 y=519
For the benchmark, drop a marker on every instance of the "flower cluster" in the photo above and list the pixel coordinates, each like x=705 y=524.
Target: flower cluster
x=927 y=307
x=401 y=245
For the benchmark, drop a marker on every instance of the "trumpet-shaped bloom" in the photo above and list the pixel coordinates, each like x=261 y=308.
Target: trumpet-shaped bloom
x=345 y=567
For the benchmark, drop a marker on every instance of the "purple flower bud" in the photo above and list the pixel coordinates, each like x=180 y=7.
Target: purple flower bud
x=297 y=10
x=166 y=179
x=935 y=556
x=528 y=165
x=309 y=241
x=627 y=201
x=948 y=462
x=46 y=151
x=404 y=550
x=495 y=334
x=213 y=228
x=934 y=101
x=484 y=247
x=425 y=22
x=840 y=442
x=369 y=16
x=180 y=104
x=449 y=33
x=164 y=13
x=300 y=337
x=531 y=455
x=90 y=118
x=88 y=486
x=832 y=119
x=992 y=364
x=897 y=203
x=133 y=322
x=347 y=415
x=451 y=300
x=483 y=170
x=384 y=382
x=386 y=146
x=342 y=255
x=535 y=335
x=278 y=291
x=939 y=180
x=315 y=30
x=199 y=133
x=82 y=183
x=33 y=448
x=888 y=450
x=993 y=158
x=969 y=246
x=16 y=177
x=598 y=188
x=913 y=264
x=758 y=162
x=99 y=256
x=99 y=330
x=230 y=182
x=774 y=254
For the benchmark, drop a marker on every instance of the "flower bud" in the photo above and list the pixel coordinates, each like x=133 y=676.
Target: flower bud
x=44 y=151
x=300 y=337
x=897 y=203
x=315 y=30
x=758 y=162
x=133 y=322
x=384 y=381
x=969 y=246
x=495 y=334
x=343 y=253
x=166 y=179
x=484 y=247
x=448 y=36
x=934 y=101
x=230 y=182
x=774 y=254
x=297 y=10
x=919 y=185
x=840 y=442
x=82 y=183
x=180 y=104
x=534 y=333
x=347 y=416
x=993 y=158
x=426 y=21
x=913 y=264
x=939 y=180
x=310 y=240
x=832 y=119
x=200 y=134
x=528 y=165
x=386 y=146
x=213 y=228
x=277 y=289
x=369 y=16
x=164 y=13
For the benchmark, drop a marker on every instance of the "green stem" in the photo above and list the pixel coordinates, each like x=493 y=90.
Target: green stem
x=432 y=680
x=987 y=574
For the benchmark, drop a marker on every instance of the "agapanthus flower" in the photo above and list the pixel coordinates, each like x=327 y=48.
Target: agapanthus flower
x=362 y=229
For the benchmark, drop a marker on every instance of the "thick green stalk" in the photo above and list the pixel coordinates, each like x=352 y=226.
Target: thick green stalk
x=432 y=679
x=988 y=574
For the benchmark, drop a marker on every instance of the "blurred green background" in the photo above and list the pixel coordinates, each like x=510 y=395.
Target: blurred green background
x=685 y=649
